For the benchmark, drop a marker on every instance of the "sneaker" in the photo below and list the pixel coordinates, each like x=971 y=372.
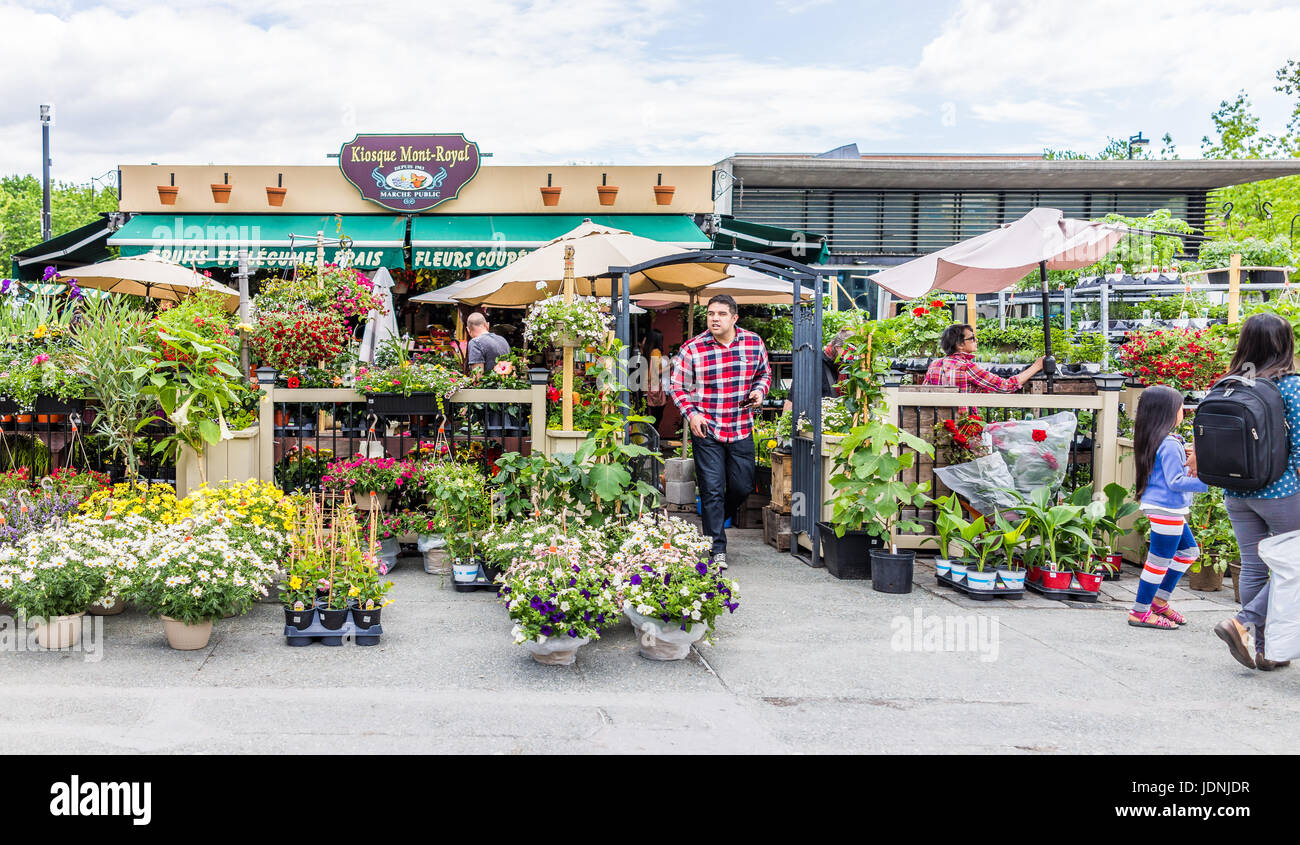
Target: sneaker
x=720 y=559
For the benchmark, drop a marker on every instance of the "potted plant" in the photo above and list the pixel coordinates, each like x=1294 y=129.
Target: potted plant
x=869 y=495
x=1118 y=507
x=1218 y=542
x=199 y=571
x=1012 y=575
x=370 y=480
x=408 y=388
x=673 y=595
x=947 y=524
x=52 y=576
x=1061 y=533
x=560 y=596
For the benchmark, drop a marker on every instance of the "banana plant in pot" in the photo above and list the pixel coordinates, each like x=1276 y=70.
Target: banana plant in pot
x=1012 y=575
x=869 y=495
x=1118 y=506
x=946 y=525
x=1063 y=533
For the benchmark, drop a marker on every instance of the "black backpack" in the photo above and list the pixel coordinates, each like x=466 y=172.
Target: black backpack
x=1241 y=435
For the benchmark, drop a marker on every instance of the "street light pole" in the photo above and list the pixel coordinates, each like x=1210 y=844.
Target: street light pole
x=1136 y=141
x=47 y=220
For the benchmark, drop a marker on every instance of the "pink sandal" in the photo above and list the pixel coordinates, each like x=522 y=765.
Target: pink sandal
x=1169 y=613
x=1151 y=620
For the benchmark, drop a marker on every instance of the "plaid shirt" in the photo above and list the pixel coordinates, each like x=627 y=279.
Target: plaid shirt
x=715 y=380
x=960 y=371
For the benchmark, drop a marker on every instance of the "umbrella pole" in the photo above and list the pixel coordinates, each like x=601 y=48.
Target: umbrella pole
x=1049 y=361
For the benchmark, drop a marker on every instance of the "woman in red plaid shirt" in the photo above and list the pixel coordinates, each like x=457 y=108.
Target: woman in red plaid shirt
x=719 y=379
x=960 y=371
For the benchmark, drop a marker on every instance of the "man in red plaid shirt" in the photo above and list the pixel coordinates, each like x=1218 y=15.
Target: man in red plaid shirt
x=959 y=369
x=719 y=379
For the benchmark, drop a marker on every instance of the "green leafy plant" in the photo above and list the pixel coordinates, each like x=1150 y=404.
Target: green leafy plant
x=868 y=492
x=551 y=320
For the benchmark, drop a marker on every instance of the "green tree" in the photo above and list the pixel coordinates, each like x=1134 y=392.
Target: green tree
x=71 y=205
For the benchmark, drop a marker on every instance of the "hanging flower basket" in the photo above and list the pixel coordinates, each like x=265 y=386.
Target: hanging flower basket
x=664 y=194
x=550 y=196
x=553 y=322
x=221 y=193
x=167 y=194
x=275 y=196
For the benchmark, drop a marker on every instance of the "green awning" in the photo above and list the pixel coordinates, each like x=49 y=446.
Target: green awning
x=773 y=240
x=83 y=245
x=485 y=242
x=272 y=240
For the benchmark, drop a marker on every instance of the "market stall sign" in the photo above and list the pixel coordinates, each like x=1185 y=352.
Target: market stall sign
x=465 y=259
x=409 y=173
x=217 y=256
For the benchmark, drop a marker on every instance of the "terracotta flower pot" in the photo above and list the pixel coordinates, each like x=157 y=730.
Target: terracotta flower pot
x=664 y=194
x=607 y=194
x=184 y=637
x=221 y=193
x=275 y=196
x=59 y=631
x=550 y=196
x=167 y=194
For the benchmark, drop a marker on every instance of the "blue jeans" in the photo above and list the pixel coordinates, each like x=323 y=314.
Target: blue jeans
x=724 y=473
x=1254 y=520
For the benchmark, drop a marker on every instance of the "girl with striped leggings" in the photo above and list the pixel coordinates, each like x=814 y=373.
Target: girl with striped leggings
x=1166 y=481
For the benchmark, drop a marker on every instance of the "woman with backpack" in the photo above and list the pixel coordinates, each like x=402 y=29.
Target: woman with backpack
x=1265 y=350
x=1166 y=480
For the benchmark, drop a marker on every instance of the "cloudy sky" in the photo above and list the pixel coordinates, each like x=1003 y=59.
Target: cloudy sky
x=623 y=81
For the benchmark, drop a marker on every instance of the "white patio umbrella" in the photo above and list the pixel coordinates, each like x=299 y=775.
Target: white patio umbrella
x=379 y=327
x=149 y=276
x=540 y=273
x=1044 y=238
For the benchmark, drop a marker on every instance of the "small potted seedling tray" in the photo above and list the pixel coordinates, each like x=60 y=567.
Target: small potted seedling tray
x=1001 y=591
x=318 y=633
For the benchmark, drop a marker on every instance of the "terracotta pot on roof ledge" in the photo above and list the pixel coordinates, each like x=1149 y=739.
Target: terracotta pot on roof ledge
x=221 y=193
x=607 y=194
x=664 y=194
x=550 y=196
x=167 y=194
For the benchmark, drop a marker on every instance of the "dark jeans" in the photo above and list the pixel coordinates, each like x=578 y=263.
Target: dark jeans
x=724 y=473
x=1252 y=521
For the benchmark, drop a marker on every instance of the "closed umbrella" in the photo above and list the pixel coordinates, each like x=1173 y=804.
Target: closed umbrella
x=379 y=327
x=149 y=276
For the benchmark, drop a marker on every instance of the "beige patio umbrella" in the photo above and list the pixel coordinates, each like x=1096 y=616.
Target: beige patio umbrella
x=149 y=276
x=540 y=273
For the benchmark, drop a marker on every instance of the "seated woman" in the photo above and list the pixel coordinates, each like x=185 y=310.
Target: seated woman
x=959 y=370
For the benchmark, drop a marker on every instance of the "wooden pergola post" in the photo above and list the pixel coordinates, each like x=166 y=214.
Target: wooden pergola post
x=567 y=399
x=1234 y=288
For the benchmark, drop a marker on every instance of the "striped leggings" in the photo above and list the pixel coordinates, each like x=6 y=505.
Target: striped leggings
x=1173 y=548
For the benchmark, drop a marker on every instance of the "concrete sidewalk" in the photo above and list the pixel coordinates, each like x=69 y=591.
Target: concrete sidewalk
x=807 y=665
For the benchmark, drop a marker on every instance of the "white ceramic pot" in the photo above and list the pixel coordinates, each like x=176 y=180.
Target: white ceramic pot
x=985 y=580
x=184 y=637
x=957 y=569
x=59 y=631
x=557 y=651
x=464 y=571
x=942 y=566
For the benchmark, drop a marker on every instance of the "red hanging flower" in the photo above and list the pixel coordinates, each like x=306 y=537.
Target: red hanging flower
x=294 y=382
x=1039 y=435
x=919 y=312
x=936 y=303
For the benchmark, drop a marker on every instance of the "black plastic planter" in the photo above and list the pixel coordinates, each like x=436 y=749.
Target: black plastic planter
x=300 y=619
x=397 y=405
x=892 y=573
x=849 y=557
x=332 y=619
x=365 y=619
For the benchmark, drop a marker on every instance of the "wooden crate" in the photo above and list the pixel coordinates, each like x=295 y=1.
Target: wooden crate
x=776 y=529
x=782 y=473
x=1069 y=386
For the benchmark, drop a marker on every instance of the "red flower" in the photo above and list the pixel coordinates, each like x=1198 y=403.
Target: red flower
x=919 y=312
x=1039 y=435
x=294 y=382
x=950 y=425
x=552 y=394
x=936 y=303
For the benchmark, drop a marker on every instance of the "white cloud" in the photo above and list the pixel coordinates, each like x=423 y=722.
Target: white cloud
x=1069 y=118
x=1181 y=48
x=284 y=82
